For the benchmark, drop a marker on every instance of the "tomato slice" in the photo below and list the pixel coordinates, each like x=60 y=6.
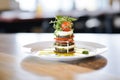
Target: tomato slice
x=64 y=40
x=66 y=26
x=68 y=41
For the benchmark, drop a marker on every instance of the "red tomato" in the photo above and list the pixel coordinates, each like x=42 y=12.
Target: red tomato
x=70 y=40
x=66 y=26
x=62 y=40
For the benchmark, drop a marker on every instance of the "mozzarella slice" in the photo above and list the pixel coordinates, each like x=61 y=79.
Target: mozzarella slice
x=64 y=33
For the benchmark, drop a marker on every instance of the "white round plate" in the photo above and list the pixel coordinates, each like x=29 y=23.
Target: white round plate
x=94 y=49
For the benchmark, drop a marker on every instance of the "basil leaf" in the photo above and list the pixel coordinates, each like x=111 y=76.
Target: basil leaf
x=59 y=20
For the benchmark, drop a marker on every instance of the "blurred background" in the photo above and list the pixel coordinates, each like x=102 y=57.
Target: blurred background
x=33 y=16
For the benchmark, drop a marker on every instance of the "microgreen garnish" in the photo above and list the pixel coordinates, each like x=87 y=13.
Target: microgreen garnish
x=59 y=20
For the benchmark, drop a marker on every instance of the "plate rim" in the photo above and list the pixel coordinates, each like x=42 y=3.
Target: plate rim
x=64 y=58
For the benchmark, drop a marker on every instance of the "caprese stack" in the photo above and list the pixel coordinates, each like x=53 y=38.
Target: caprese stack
x=64 y=42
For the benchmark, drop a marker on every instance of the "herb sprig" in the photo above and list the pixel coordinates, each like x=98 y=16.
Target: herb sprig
x=59 y=20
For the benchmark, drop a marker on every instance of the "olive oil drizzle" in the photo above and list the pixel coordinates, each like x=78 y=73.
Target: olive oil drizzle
x=51 y=51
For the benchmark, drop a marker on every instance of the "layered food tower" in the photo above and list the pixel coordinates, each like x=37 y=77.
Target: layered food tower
x=64 y=42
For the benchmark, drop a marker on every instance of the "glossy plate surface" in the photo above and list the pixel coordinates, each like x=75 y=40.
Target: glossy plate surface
x=35 y=48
